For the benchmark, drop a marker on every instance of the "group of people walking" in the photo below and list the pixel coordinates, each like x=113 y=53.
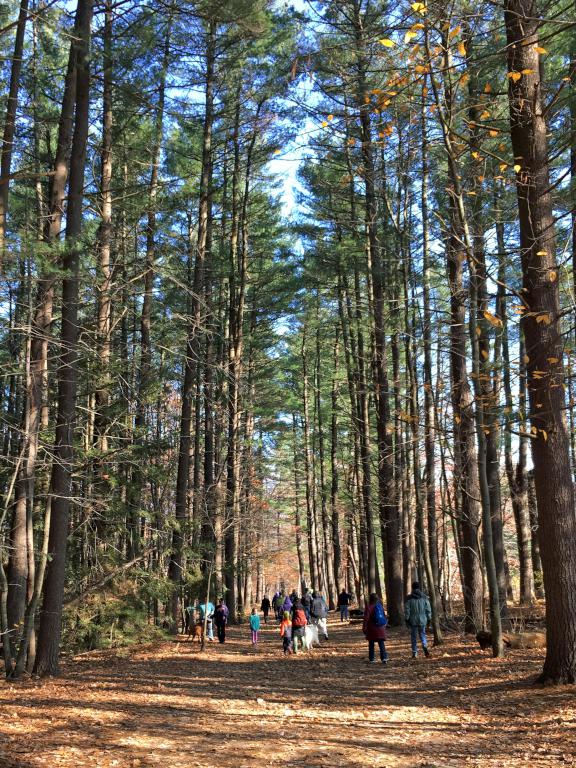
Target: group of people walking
x=295 y=613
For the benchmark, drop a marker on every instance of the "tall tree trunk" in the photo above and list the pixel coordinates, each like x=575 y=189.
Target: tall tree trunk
x=195 y=334
x=10 y=124
x=145 y=370
x=308 y=473
x=328 y=560
x=47 y=658
x=297 y=511
x=334 y=510
x=427 y=368
x=544 y=343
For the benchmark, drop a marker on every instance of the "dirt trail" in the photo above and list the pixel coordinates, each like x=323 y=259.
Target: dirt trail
x=170 y=705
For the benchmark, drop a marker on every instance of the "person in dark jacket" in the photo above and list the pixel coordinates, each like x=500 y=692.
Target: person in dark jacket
x=265 y=608
x=221 y=619
x=343 y=602
x=307 y=603
x=417 y=613
x=319 y=613
x=373 y=632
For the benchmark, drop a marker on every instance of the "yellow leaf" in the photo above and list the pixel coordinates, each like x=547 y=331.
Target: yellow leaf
x=503 y=166
x=514 y=76
x=526 y=359
x=410 y=35
x=540 y=50
x=492 y=319
x=330 y=117
x=324 y=123
x=544 y=318
x=552 y=360
x=461 y=49
x=464 y=79
x=527 y=72
x=277 y=151
x=452 y=34
x=517 y=168
x=534 y=430
x=544 y=434
x=387 y=43
x=480 y=179
x=418 y=25
x=478 y=331
x=351 y=142
x=420 y=69
x=484 y=354
x=552 y=275
x=542 y=253
x=485 y=115
x=419 y=8
x=487 y=88
x=457 y=419
x=493 y=133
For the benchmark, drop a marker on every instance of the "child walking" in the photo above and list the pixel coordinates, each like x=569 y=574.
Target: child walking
x=286 y=633
x=254 y=626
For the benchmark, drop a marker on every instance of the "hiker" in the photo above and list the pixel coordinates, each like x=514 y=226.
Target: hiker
x=344 y=600
x=206 y=611
x=265 y=608
x=417 y=613
x=286 y=633
x=374 y=628
x=299 y=622
x=221 y=619
x=307 y=603
x=277 y=601
x=254 y=626
x=319 y=613
x=286 y=606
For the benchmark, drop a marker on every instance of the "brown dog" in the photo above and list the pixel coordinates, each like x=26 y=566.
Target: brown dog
x=196 y=632
x=514 y=641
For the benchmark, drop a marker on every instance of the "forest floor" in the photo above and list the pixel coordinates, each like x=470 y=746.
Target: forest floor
x=171 y=705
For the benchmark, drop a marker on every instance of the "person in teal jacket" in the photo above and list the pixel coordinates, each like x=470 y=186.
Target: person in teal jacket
x=254 y=626
x=417 y=613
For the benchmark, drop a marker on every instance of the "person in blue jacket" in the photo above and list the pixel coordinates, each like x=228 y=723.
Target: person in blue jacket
x=206 y=611
x=254 y=626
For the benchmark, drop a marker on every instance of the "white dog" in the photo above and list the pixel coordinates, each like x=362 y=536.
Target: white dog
x=311 y=636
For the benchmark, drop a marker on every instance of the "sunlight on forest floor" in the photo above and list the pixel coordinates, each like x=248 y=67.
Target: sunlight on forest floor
x=232 y=706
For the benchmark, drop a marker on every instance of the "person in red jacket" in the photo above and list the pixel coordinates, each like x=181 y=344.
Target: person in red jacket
x=374 y=628
x=299 y=622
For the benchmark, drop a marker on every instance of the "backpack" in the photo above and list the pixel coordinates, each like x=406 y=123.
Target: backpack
x=378 y=616
x=299 y=618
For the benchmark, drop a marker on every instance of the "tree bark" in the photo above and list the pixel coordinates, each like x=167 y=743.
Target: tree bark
x=544 y=343
x=47 y=658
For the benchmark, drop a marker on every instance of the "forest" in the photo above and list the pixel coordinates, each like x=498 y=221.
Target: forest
x=286 y=301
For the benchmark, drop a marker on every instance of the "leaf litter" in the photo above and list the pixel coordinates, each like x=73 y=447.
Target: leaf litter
x=231 y=706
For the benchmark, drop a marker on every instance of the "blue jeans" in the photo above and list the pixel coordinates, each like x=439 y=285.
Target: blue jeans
x=415 y=633
x=381 y=646
x=344 y=613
